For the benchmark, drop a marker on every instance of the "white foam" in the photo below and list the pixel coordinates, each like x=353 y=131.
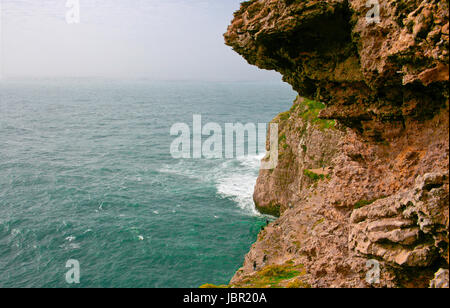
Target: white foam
x=251 y=161
x=234 y=179
x=239 y=188
x=74 y=246
x=237 y=181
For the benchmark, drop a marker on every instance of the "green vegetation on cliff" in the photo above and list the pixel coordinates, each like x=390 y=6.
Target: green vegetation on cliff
x=309 y=111
x=271 y=276
x=313 y=176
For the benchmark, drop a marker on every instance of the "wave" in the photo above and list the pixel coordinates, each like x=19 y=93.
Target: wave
x=239 y=188
x=234 y=179
x=237 y=182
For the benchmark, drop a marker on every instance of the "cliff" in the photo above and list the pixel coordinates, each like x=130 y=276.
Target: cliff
x=363 y=153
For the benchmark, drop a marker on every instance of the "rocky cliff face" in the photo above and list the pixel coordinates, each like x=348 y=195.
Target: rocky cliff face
x=363 y=153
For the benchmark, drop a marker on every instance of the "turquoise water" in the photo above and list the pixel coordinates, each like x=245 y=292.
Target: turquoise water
x=86 y=174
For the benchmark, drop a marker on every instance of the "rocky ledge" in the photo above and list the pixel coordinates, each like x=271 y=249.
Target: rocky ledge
x=363 y=152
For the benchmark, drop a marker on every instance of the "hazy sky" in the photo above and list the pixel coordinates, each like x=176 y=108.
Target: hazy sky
x=157 y=39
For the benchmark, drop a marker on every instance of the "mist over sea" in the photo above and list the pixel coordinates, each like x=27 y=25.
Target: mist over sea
x=86 y=173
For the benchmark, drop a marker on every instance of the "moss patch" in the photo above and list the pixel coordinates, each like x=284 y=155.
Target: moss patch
x=309 y=111
x=298 y=284
x=273 y=276
x=313 y=176
x=212 y=286
x=285 y=115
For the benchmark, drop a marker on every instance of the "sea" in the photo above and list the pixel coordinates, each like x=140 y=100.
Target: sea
x=86 y=174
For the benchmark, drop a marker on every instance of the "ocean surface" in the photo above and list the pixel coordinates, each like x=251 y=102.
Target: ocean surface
x=86 y=173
